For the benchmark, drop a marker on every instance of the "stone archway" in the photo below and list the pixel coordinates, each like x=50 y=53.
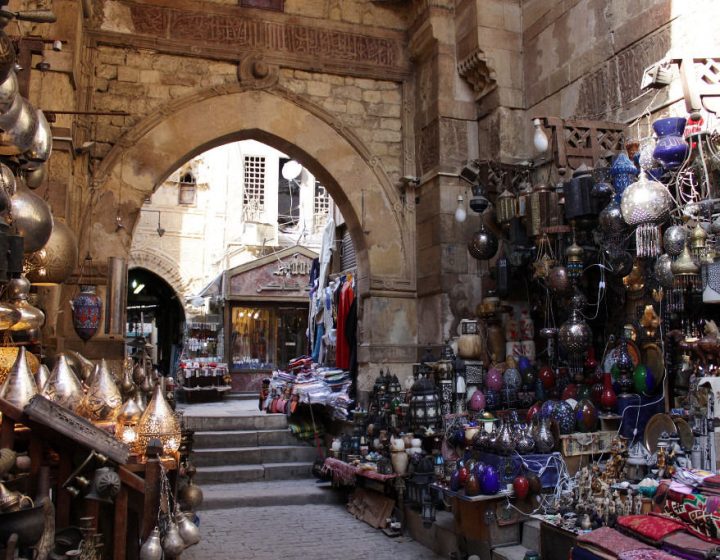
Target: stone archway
x=380 y=220
x=162 y=266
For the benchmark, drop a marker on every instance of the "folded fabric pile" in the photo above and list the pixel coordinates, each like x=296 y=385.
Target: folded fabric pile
x=690 y=547
x=605 y=543
x=650 y=529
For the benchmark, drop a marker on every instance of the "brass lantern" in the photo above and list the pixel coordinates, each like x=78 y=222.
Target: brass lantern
x=54 y=263
x=19 y=386
x=506 y=207
x=159 y=422
x=543 y=211
x=126 y=426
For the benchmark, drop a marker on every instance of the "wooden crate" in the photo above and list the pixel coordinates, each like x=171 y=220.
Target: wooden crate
x=586 y=444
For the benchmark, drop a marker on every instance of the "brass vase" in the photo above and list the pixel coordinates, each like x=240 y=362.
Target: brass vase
x=63 y=386
x=19 y=387
x=31 y=317
x=103 y=399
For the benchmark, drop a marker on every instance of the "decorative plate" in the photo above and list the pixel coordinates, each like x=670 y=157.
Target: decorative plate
x=657 y=425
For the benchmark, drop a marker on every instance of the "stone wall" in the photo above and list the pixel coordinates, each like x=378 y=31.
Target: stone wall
x=585 y=59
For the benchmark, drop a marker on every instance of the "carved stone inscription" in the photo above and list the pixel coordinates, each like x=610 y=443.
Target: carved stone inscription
x=244 y=32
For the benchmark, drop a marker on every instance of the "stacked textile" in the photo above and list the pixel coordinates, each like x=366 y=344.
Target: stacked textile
x=605 y=543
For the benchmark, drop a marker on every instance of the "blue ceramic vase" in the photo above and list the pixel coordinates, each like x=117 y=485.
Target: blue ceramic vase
x=671 y=148
x=490 y=482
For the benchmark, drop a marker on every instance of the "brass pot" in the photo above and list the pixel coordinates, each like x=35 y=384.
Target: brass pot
x=41 y=144
x=8 y=92
x=18 y=133
x=32 y=218
x=55 y=262
x=28 y=524
x=36 y=176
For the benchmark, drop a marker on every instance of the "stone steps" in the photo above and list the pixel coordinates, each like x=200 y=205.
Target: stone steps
x=268 y=494
x=513 y=552
x=242 y=438
x=253 y=455
x=243 y=396
x=236 y=423
x=253 y=473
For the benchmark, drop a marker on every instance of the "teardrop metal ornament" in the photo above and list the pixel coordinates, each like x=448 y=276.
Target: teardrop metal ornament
x=151 y=548
x=63 y=386
x=674 y=240
x=611 y=220
x=103 y=399
x=188 y=530
x=19 y=386
x=173 y=544
x=483 y=245
x=663 y=271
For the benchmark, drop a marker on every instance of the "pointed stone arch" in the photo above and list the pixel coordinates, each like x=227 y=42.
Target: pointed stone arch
x=161 y=265
x=380 y=220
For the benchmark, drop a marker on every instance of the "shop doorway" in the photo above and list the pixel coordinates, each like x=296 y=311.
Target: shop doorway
x=155 y=314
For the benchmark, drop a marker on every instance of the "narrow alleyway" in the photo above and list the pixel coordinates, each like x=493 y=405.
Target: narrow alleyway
x=311 y=532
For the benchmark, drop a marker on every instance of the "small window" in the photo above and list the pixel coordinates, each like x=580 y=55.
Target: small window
x=321 y=207
x=254 y=188
x=187 y=190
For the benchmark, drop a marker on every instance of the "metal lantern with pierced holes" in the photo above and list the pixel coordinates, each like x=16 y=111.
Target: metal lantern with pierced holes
x=646 y=204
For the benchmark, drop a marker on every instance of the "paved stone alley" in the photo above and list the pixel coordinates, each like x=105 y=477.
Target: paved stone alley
x=311 y=532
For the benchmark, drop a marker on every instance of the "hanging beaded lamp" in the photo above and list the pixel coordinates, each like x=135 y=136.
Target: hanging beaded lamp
x=646 y=204
x=574 y=254
x=575 y=335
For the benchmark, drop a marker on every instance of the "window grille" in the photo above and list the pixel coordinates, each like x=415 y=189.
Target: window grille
x=254 y=188
x=321 y=207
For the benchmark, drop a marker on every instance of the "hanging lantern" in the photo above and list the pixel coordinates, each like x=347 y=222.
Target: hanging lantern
x=55 y=262
x=86 y=309
x=483 y=245
x=523 y=199
x=558 y=279
x=103 y=399
x=611 y=223
x=32 y=219
x=505 y=207
x=580 y=205
x=623 y=174
x=602 y=190
x=126 y=425
x=575 y=335
x=663 y=271
x=19 y=386
x=158 y=421
x=31 y=317
x=574 y=255
x=424 y=405
x=646 y=204
x=685 y=270
x=543 y=210
x=63 y=386
x=674 y=240
x=698 y=243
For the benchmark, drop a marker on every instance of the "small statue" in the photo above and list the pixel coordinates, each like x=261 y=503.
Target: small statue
x=650 y=321
x=637 y=505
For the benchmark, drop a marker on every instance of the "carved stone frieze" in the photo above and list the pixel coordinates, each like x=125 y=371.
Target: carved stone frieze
x=429 y=149
x=475 y=71
x=283 y=37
